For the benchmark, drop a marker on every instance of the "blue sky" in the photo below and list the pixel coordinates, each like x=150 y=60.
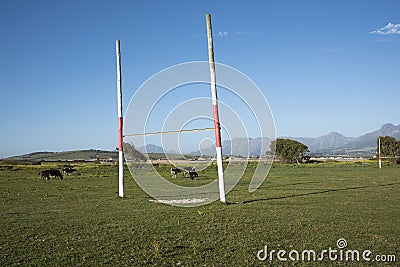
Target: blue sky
x=322 y=65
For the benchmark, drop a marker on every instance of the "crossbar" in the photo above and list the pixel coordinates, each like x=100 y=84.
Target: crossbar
x=171 y=132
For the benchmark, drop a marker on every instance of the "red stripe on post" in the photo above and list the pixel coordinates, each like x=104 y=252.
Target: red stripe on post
x=217 y=126
x=120 y=133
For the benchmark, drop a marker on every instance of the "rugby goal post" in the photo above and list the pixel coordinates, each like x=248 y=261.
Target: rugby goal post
x=217 y=127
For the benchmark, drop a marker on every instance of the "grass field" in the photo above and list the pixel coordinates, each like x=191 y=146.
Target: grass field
x=81 y=221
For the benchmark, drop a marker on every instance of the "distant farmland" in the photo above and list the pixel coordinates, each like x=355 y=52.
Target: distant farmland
x=84 y=155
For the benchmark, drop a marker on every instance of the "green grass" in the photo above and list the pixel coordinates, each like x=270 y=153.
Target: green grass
x=81 y=221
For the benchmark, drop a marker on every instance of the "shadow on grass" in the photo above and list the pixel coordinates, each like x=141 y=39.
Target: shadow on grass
x=311 y=193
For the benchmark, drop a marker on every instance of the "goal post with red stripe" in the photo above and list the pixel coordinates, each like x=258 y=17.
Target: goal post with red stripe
x=217 y=126
x=120 y=124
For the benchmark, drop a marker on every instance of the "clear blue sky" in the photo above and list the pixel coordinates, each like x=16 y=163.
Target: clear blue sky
x=322 y=65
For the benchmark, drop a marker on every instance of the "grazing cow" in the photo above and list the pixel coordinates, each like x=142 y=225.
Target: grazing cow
x=174 y=171
x=193 y=174
x=47 y=173
x=186 y=171
x=68 y=170
x=190 y=172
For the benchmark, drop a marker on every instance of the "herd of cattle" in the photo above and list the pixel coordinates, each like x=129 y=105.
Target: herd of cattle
x=187 y=172
x=46 y=174
x=56 y=173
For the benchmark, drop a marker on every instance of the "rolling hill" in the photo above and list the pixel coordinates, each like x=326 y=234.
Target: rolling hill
x=76 y=155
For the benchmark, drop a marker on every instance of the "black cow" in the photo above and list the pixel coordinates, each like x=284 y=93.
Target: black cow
x=186 y=171
x=68 y=170
x=193 y=174
x=47 y=173
x=190 y=172
x=174 y=171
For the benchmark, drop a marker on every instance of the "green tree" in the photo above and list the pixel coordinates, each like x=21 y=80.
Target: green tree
x=287 y=150
x=389 y=146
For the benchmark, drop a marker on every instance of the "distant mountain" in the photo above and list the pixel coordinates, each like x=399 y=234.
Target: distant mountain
x=369 y=139
x=332 y=140
x=150 y=148
x=338 y=143
x=245 y=147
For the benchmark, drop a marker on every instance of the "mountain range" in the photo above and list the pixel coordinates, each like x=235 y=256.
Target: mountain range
x=337 y=143
x=332 y=143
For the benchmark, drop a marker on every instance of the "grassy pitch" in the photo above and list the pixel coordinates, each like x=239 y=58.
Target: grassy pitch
x=81 y=221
